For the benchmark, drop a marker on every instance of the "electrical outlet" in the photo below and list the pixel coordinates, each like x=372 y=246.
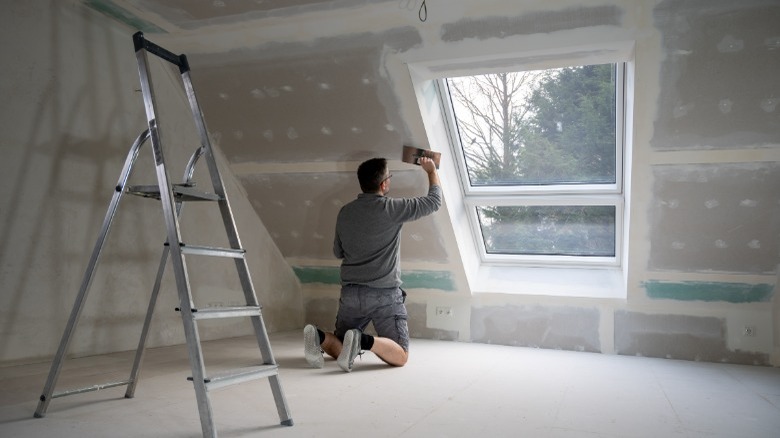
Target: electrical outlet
x=749 y=330
x=443 y=311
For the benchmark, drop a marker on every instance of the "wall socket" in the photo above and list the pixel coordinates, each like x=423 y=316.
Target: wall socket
x=444 y=311
x=749 y=330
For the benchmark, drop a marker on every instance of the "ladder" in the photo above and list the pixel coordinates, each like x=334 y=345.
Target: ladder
x=172 y=197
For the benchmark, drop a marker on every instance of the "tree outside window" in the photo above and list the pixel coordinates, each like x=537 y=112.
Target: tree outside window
x=553 y=128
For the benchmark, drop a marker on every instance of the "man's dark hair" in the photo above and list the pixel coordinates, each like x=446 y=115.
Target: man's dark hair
x=371 y=173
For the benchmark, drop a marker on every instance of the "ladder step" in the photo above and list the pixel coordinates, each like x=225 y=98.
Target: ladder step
x=241 y=375
x=226 y=312
x=212 y=251
x=182 y=192
x=90 y=388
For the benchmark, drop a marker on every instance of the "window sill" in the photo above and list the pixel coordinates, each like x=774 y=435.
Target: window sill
x=557 y=282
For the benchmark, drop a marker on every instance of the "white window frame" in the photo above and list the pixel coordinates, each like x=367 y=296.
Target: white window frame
x=428 y=65
x=576 y=194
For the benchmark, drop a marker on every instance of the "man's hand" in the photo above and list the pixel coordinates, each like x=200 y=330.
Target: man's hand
x=429 y=166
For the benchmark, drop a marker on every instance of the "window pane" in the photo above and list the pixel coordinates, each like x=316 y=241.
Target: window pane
x=545 y=127
x=549 y=230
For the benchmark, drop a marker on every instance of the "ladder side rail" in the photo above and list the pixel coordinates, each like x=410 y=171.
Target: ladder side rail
x=139 y=355
x=216 y=178
x=227 y=218
x=241 y=265
x=281 y=401
x=78 y=306
x=174 y=237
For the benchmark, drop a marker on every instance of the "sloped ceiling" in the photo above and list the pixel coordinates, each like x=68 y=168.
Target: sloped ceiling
x=295 y=109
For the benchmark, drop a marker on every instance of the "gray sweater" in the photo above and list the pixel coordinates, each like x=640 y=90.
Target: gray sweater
x=368 y=236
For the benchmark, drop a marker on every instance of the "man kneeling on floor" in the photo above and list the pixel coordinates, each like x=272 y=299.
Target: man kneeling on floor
x=368 y=239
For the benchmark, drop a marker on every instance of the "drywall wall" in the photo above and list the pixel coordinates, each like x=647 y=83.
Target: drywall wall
x=720 y=70
x=71 y=111
x=744 y=239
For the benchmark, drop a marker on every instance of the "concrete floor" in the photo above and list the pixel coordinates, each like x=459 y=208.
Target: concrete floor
x=447 y=389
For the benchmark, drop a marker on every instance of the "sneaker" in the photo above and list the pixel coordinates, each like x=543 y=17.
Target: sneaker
x=350 y=350
x=311 y=346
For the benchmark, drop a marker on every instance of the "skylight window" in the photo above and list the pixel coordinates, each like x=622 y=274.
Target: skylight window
x=540 y=157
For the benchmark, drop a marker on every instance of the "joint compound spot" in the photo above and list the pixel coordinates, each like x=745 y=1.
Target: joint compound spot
x=673 y=203
x=748 y=203
x=366 y=80
x=295 y=234
x=326 y=131
x=308 y=203
x=268 y=134
x=678 y=245
x=729 y=44
x=356 y=130
x=754 y=244
x=218 y=4
x=337 y=202
x=324 y=86
x=292 y=134
x=772 y=43
x=390 y=127
x=721 y=244
x=257 y=93
x=416 y=237
x=682 y=110
x=769 y=105
x=725 y=105
x=224 y=96
x=318 y=236
x=712 y=203
x=278 y=203
x=288 y=88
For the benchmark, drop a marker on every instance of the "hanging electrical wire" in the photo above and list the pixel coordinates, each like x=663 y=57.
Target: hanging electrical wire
x=409 y=5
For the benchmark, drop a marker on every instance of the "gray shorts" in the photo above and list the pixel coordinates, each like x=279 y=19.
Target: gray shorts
x=360 y=305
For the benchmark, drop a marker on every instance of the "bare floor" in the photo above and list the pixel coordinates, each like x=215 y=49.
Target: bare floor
x=447 y=390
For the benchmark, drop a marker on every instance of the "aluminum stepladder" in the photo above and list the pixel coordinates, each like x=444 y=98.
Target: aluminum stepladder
x=172 y=197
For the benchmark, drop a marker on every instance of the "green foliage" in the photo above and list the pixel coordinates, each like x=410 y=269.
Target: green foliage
x=575 y=110
x=541 y=128
x=549 y=127
x=549 y=230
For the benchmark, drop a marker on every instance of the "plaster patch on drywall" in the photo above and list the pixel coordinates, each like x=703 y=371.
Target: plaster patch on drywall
x=110 y=9
x=709 y=291
x=716 y=217
x=562 y=328
x=412 y=279
x=719 y=74
x=324 y=101
x=188 y=14
x=531 y=23
x=699 y=338
x=318 y=274
x=419 y=279
x=299 y=209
